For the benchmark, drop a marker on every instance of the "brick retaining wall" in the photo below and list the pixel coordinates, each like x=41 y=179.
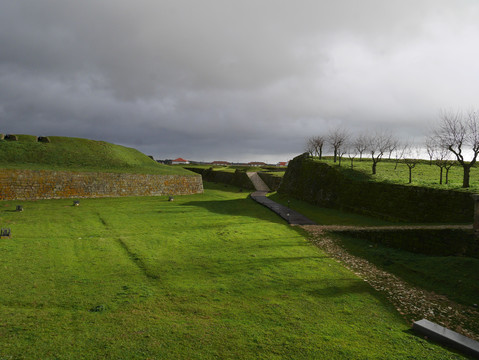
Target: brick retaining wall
x=45 y=184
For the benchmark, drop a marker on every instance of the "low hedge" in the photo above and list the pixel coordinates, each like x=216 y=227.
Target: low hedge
x=440 y=242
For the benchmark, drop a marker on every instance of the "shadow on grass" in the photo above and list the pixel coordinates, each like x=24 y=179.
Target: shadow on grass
x=238 y=207
x=328 y=216
x=356 y=287
x=207 y=185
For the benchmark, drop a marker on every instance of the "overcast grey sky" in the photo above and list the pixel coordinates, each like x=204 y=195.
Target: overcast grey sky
x=233 y=80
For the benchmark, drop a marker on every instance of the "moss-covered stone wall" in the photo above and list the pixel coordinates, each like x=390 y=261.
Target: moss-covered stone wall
x=237 y=178
x=272 y=181
x=43 y=184
x=321 y=184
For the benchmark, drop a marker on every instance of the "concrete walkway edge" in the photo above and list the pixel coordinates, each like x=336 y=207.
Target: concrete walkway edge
x=291 y=216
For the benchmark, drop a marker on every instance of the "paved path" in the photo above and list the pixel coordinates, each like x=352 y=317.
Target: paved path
x=258 y=183
x=291 y=216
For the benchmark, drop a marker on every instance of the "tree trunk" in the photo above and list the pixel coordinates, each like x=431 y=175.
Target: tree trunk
x=320 y=152
x=447 y=175
x=440 y=176
x=465 y=179
x=335 y=154
x=410 y=174
x=352 y=165
x=374 y=167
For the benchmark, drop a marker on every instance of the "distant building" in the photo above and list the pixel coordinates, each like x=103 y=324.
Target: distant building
x=283 y=163
x=224 y=163
x=180 y=161
x=256 y=163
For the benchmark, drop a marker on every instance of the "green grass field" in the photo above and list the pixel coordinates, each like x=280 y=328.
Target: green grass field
x=75 y=154
x=423 y=174
x=206 y=276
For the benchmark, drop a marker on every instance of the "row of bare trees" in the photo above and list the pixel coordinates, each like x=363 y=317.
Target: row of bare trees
x=456 y=137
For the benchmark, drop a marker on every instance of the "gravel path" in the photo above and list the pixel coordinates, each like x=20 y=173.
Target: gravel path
x=413 y=303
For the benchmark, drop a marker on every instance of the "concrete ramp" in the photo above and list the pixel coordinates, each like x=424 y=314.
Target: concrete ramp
x=258 y=183
x=291 y=216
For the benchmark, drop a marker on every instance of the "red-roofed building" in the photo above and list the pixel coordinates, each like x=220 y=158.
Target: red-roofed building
x=220 y=163
x=180 y=161
x=283 y=163
x=256 y=163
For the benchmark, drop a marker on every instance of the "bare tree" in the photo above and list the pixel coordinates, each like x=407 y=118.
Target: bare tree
x=318 y=145
x=392 y=146
x=399 y=153
x=444 y=162
x=378 y=144
x=441 y=156
x=431 y=147
x=352 y=152
x=341 y=152
x=315 y=145
x=336 y=139
x=309 y=147
x=459 y=132
x=360 y=144
x=411 y=159
x=448 y=164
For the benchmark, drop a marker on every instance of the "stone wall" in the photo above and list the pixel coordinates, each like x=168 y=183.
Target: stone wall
x=237 y=178
x=45 y=184
x=273 y=182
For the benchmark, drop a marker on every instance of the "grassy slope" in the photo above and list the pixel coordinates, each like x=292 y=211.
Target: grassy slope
x=75 y=154
x=206 y=276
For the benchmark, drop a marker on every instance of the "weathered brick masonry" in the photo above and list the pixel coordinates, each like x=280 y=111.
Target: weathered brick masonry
x=44 y=184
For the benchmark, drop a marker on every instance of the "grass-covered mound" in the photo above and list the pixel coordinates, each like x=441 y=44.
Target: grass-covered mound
x=76 y=154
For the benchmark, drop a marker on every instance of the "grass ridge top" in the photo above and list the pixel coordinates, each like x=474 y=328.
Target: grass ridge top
x=79 y=155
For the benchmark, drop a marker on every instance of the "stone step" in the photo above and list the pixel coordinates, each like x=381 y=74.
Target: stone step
x=447 y=337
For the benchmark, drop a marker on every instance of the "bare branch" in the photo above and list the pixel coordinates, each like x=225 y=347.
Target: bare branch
x=336 y=139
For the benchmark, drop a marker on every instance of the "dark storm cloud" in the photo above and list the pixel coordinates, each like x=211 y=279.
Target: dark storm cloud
x=232 y=79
